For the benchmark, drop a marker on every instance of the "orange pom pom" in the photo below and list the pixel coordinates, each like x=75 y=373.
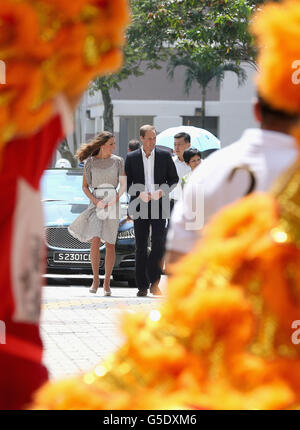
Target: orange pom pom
x=51 y=47
x=277 y=28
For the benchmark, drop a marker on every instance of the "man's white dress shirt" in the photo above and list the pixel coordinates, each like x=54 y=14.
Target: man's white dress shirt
x=149 y=171
x=182 y=170
x=266 y=153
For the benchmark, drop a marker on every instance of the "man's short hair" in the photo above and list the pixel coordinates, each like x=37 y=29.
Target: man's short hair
x=145 y=128
x=186 y=137
x=269 y=113
x=134 y=145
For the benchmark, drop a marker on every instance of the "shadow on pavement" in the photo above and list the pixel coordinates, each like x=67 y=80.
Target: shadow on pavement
x=86 y=282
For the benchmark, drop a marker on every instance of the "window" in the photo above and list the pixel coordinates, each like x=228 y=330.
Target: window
x=211 y=123
x=130 y=129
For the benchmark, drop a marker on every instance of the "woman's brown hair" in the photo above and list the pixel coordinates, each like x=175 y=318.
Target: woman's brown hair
x=93 y=146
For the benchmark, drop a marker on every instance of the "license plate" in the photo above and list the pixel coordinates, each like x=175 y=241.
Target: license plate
x=71 y=257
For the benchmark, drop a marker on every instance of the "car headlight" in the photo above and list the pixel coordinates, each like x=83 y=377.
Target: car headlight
x=127 y=234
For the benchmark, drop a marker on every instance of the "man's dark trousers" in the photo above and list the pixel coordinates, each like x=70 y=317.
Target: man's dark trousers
x=153 y=261
x=148 y=268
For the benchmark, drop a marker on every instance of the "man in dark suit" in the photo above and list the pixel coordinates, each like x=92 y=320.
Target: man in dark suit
x=151 y=175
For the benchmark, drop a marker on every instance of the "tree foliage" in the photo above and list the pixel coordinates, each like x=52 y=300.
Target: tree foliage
x=145 y=47
x=209 y=32
x=212 y=28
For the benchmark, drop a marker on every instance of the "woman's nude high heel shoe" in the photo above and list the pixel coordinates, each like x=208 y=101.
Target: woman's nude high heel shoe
x=93 y=290
x=107 y=292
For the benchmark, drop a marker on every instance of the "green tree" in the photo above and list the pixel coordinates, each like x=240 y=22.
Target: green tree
x=220 y=25
x=208 y=38
x=145 y=49
x=66 y=153
x=106 y=83
x=203 y=72
x=162 y=29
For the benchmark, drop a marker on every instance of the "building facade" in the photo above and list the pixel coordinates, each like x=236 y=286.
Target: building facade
x=155 y=99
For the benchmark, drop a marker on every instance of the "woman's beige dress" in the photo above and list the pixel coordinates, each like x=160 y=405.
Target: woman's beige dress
x=102 y=176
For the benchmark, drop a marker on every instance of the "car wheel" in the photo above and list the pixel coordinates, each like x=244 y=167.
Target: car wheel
x=131 y=283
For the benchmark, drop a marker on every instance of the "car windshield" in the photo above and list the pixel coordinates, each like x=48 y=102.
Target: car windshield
x=65 y=185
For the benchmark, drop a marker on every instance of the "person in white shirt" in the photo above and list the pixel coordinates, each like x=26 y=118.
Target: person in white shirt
x=250 y=164
x=182 y=141
x=150 y=173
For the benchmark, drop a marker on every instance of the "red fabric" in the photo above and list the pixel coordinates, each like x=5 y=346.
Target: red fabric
x=23 y=159
x=18 y=381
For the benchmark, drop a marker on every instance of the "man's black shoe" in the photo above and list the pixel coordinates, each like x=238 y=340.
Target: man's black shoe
x=154 y=289
x=142 y=293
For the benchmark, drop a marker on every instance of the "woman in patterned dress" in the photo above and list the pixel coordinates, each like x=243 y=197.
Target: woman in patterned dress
x=103 y=171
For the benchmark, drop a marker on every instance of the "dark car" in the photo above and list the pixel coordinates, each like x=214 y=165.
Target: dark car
x=63 y=200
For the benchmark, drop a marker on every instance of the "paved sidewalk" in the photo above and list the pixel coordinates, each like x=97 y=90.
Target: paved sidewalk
x=79 y=329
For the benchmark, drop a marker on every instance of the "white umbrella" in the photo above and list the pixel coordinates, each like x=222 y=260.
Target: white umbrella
x=200 y=139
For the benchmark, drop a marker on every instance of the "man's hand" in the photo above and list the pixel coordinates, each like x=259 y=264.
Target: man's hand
x=146 y=197
x=157 y=194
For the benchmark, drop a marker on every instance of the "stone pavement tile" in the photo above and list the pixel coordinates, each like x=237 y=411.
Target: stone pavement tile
x=78 y=330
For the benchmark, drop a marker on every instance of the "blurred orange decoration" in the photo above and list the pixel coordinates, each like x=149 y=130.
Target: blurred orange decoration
x=279 y=55
x=225 y=338
x=51 y=47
